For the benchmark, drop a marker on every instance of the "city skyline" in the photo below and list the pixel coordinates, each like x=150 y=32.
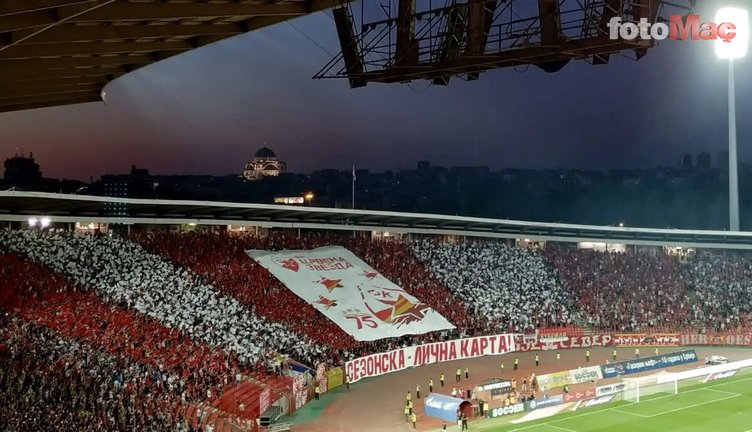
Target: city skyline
x=714 y=161
x=208 y=110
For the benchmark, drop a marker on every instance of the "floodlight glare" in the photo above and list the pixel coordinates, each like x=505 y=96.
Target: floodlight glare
x=33 y=222
x=737 y=47
x=44 y=222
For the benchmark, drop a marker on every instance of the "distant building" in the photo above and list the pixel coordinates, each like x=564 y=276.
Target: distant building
x=685 y=162
x=20 y=170
x=263 y=164
x=703 y=161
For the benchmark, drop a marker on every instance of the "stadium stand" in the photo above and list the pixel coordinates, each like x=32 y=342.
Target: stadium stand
x=624 y=291
x=512 y=287
x=124 y=273
x=51 y=383
x=179 y=331
x=723 y=287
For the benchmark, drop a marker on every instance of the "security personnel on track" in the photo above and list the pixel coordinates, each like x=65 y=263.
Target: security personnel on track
x=458 y=375
x=441 y=378
x=417 y=391
x=430 y=385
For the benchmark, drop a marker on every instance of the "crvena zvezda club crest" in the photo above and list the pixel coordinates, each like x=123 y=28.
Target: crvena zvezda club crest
x=288 y=263
x=400 y=311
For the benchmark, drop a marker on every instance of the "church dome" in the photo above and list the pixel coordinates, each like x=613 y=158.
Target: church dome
x=265 y=152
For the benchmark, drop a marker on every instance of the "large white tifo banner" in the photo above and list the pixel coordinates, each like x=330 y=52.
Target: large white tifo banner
x=356 y=297
x=419 y=355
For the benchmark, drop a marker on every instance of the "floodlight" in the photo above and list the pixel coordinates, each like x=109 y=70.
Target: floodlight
x=736 y=48
x=44 y=222
x=33 y=222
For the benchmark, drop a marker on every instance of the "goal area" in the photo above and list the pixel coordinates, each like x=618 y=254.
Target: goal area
x=640 y=388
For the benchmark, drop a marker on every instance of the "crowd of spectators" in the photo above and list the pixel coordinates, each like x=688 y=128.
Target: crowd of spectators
x=511 y=287
x=624 y=291
x=123 y=273
x=722 y=285
x=54 y=384
x=103 y=332
x=222 y=261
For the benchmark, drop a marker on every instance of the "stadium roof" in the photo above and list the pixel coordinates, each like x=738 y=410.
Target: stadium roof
x=19 y=206
x=61 y=52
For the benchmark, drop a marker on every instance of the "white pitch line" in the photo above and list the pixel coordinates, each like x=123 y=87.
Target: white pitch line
x=561 y=428
x=629 y=413
x=711 y=388
x=723 y=392
x=689 y=406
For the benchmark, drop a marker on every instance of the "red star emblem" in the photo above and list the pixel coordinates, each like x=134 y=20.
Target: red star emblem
x=331 y=284
x=289 y=264
x=327 y=303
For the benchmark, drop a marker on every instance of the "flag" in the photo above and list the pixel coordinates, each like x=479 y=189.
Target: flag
x=350 y=293
x=354 y=178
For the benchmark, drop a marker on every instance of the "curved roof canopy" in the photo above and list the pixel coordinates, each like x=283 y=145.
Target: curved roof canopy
x=19 y=206
x=61 y=52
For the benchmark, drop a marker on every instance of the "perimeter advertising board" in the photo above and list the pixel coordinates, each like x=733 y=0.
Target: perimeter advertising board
x=586 y=374
x=649 y=363
x=419 y=355
x=496 y=387
x=543 y=403
x=554 y=380
x=335 y=378
x=580 y=395
x=611 y=389
x=506 y=410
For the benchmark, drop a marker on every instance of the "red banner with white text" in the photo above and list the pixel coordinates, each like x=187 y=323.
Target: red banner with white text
x=572 y=342
x=558 y=334
x=744 y=340
x=646 y=339
x=419 y=355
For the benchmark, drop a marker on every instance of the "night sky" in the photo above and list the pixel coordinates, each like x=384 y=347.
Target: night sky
x=207 y=111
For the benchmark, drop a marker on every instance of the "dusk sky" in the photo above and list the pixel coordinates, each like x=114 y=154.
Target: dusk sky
x=207 y=111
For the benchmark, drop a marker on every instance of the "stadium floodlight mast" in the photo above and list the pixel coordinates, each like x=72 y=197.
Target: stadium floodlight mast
x=733 y=50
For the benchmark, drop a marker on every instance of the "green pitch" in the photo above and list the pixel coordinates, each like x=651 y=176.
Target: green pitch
x=719 y=406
